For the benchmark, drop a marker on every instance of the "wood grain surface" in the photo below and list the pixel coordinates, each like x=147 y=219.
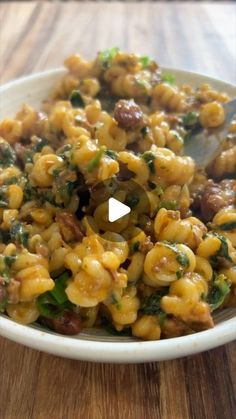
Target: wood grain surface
x=38 y=35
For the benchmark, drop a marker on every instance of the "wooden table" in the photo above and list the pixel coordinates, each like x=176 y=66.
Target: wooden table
x=36 y=36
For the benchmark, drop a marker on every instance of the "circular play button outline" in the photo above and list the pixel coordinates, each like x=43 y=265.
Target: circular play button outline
x=116 y=210
x=115 y=205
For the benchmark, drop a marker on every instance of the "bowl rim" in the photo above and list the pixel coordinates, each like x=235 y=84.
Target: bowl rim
x=118 y=352
x=107 y=351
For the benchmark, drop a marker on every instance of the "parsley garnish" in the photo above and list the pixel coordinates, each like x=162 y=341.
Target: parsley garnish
x=132 y=201
x=169 y=205
x=144 y=131
x=11 y=180
x=145 y=61
x=9 y=260
x=7 y=154
x=127 y=331
x=135 y=246
x=51 y=304
x=18 y=233
x=58 y=291
x=223 y=250
x=168 y=78
x=178 y=274
x=190 y=119
x=105 y=57
x=217 y=293
x=231 y=225
x=183 y=259
x=30 y=191
x=96 y=160
x=40 y=144
x=112 y=154
x=76 y=99
x=152 y=305
x=149 y=158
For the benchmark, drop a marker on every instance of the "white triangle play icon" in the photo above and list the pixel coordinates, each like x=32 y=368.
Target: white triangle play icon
x=116 y=210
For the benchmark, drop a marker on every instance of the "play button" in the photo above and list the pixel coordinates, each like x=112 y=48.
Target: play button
x=115 y=207
x=116 y=210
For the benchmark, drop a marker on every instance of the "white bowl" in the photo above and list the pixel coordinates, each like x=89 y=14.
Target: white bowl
x=94 y=345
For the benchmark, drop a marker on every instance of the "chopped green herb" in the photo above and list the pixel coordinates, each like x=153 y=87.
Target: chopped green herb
x=9 y=260
x=171 y=246
x=112 y=330
x=132 y=201
x=228 y=226
x=178 y=274
x=40 y=144
x=51 y=304
x=169 y=205
x=30 y=191
x=105 y=57
x=76 y=99
x=223 y=250
x=113 y=299
x=190 y=119
x=11 y=180
x=4 y=269
x=168 y=78
x=48 y=306
x=3 y=204
x=112 y=154
x=96 y=160
x=65 y=191
x=217 y=293
x=46 y=195
x=18 y=233
x=28 y=157
x=7 y=155
x=183 y=260
x=152 y=305
x=144 y=131
x=145 y=61
x=58 y=291
x=158 y=190
x=65 y=151
x=149 y=158
x=161 y=317
x=143 y=83
x=135 y=246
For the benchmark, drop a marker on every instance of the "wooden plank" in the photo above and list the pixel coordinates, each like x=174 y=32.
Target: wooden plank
x=199 y=37
x=36 y=385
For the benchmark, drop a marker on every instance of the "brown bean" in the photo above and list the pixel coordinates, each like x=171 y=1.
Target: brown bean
x=146 y=245
x=69 y=323
x=124 y=173
x=69 y=226
x=128 y=114
x=214 y=197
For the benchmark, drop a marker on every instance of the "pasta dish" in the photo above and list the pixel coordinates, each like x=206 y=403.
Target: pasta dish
x=116 y=127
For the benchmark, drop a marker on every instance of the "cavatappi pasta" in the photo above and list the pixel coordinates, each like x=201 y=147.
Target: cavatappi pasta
x=161 y=270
